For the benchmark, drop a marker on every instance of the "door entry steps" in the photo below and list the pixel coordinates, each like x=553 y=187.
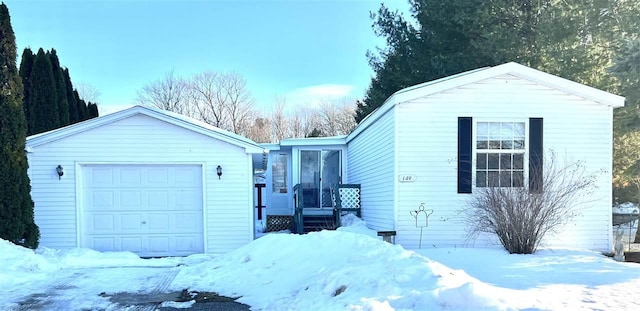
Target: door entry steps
x=318 y=223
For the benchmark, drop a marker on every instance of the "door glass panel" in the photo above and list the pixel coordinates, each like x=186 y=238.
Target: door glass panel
x=330 y=174
x=310 y=177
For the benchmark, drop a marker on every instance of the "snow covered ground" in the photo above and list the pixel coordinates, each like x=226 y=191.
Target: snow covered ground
x=348 y=269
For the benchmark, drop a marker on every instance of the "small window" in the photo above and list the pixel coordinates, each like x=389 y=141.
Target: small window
x=500 y=152
x=279 y=173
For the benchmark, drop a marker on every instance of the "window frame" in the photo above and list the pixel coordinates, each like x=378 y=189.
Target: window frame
x=475 y=150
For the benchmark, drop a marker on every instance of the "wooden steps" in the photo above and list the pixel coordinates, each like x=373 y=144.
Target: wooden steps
x=318 y=223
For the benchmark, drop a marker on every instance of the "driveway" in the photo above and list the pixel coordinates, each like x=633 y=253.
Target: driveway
x=130 y=288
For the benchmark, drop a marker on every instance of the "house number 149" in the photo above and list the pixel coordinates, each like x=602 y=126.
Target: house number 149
x=407 y=178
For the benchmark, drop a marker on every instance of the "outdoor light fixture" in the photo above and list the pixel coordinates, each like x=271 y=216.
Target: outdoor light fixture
x=60 y=171
x=219 y=171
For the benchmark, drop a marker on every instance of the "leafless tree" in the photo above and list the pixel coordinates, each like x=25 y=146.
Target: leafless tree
x=337 y=116
x=168 y=93
x=303 y=121
x=88 y=92
x=206 y=95
x=279 y=121
x=521 y=217
x=259 y=130
x=238 y=102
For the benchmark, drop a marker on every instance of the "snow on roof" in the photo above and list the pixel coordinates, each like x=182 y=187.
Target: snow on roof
x=171 y=117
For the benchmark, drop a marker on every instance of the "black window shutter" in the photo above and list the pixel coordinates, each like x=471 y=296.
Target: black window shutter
x=535 y=155
x=464 y=154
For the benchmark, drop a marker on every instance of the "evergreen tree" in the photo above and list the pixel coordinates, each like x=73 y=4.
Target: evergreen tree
x=25 y=72
x=81 y=106
x=61 y=89
x=16 y=206
x=71 y=99
x=42 y=96
x=93 y=110
x=574 y=39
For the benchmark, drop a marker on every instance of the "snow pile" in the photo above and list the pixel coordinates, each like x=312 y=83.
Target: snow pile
x=20 y=265
x=88 y=258
x=335 y=270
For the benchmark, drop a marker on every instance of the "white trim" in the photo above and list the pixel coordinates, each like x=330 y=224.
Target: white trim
x=474 y=149
x=450 y=82
x=170 y=117
x=314 y=141
x=79 y=194
x=396 y=169
x=252 y=208
x=205 y=209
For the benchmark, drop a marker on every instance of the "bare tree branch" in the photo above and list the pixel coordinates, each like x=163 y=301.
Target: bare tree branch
x=168 y=93
x=521 y=218
x=88 y=92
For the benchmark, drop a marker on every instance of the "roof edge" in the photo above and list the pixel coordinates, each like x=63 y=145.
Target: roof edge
x=467 y=77
x=181 y=121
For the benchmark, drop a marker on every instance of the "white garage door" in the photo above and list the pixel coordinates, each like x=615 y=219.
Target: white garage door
x=151 y=210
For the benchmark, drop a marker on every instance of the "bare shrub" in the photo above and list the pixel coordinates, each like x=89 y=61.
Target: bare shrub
x=520 y=216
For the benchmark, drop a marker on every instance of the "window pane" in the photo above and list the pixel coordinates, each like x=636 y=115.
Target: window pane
x=481 y=161
x=518 y=161
x=483 y=129
x=494 y=161
x=279 y=174
x=507 y=144
x=518 y=179
x=494 y=130
x=505 y=161
x=493 y=179
x=505 y=179
x=518 y=144
x=481 y=179
x=494 y=144
x=518 y=129
x=483 y=144
x=506 y=130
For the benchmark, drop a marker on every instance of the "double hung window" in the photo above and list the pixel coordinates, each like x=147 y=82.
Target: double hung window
x=500 y=150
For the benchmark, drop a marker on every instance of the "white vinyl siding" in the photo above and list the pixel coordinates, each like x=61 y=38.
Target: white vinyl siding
x=371 y=163
x=141 y=139
x=574 y=128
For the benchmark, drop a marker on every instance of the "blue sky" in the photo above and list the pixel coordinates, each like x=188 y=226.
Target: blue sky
x=297 y=49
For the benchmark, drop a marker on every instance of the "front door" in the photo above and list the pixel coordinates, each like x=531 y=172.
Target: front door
x=319 y=171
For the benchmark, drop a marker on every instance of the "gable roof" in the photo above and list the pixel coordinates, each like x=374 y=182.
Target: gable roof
x=166 y=116
x=464 y=78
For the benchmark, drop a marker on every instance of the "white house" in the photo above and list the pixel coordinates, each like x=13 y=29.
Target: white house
x=143 y=180
x=147 y=181
x=434 y=143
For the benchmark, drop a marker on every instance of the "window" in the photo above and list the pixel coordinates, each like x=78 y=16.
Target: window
x=500 y=148
x=279 y=174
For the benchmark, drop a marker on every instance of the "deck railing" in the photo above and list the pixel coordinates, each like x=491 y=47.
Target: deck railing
x=298 y=204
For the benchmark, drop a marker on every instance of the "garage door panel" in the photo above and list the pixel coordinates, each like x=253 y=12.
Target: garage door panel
x=103 y=223
x=131 y=223
x=128 y=176
x=152 y=210
x=102 y=199
x=131 y=200
x=131 y=243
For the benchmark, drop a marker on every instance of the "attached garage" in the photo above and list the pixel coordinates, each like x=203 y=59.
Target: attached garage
x=152 y=210
x=146 y=181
